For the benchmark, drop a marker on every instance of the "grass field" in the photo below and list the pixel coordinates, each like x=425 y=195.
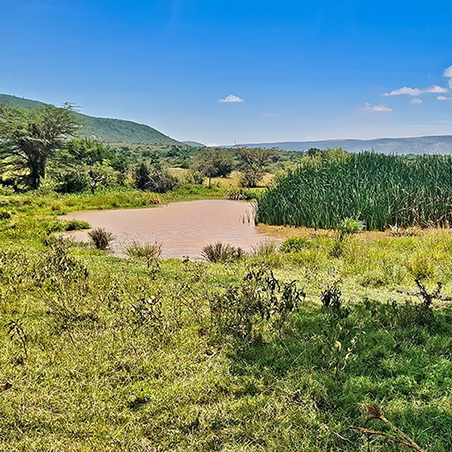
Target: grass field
x=106 y=354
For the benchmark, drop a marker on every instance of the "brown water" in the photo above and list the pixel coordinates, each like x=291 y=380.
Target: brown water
x=182 y=228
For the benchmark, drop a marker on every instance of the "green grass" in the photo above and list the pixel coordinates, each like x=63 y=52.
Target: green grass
x=382 y=190
x=118 y=357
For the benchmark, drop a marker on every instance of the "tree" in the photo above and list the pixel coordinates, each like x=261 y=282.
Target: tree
x=154 y=178
x=254 y=164
x=212 y=162
x=28 y=137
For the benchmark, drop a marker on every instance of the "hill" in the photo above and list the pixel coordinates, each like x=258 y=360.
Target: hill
x=108 y=130
x=441 y=144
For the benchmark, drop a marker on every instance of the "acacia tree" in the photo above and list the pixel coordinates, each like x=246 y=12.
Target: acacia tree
x=28 y=137
x=213 y=162
x=254 y=164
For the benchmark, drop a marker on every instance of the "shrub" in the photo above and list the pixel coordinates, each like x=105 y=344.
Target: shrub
x=101 y=238
x=144 y=250
x=220 y=252
x=260 y=301
x=294 y=245
x=350 y=226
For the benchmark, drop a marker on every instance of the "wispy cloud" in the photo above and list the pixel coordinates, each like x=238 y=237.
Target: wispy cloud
x=416 y=101
x=444 y=98
x=448 y=72
x=379 y=108
x=230 y=99
x=271 y=115
x=416 y=91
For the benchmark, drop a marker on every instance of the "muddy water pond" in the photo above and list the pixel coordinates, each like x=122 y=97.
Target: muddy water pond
x=183 y=228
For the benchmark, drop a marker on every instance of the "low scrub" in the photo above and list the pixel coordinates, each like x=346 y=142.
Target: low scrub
x=221 y=253
x=101 y=238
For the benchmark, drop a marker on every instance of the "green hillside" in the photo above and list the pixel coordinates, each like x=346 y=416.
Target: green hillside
x=104 y=129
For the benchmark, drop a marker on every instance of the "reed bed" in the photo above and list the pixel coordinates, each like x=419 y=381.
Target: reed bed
x=381 y=190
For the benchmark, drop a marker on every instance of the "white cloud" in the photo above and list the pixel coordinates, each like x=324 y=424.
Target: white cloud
x=271 y=115
x=416 y=91
x=379 y=108
x=448 y=72
x=450 y=83
x=416 y=101
x=444 y=98
x=230 y=98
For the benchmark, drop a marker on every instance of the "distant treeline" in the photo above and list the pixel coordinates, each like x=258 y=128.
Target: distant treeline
x=381 y=190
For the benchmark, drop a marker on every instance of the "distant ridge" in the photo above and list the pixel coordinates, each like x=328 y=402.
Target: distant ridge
x=441 y=144
x=104 y=129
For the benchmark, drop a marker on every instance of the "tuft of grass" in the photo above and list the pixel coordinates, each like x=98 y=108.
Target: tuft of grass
x=148 y=251
x=221 y=253
x=295 y=245
x=101 y=238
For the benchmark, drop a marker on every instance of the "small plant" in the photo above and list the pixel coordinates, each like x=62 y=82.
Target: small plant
x=101 y=238
x=147 y=311
x=239 y=194
x=294 y=245
x=147 y=251
x=264 y=249
x=350 y=226
x=58 y=265
x=260 y=301
x=397 y=231
x=17 y=333
x=331 y=296
x=374 y=413
x=426 y=297
x=220 y=252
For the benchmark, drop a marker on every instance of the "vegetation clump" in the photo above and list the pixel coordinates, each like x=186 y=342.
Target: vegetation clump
x=220 y=252
x=383 y=190
x=101 y=238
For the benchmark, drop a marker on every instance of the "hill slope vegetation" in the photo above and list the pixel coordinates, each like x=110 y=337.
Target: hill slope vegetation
x=108 y=130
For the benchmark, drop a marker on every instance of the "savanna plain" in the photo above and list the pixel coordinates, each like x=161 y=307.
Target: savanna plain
x=340 y=339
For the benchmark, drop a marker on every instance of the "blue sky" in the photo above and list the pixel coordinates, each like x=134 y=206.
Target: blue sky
x=302 y=69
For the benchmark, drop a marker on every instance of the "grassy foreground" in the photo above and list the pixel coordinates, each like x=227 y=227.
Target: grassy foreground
x=104 y=354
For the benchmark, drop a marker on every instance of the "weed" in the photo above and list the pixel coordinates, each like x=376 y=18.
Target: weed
x=16 y=332
x=150 y=252
x=220 y=253
x=426 y=297
x=101 y=238
x=374 y=413
x=295 y=245
x=261 y=300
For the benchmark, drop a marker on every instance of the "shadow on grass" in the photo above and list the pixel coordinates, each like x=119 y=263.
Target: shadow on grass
x=331 y=363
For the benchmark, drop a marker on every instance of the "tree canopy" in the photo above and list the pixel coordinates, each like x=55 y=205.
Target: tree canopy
x=28 y=137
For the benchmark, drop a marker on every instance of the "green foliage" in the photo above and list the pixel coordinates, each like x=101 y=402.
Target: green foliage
x=29 y=137
x=101 y=238
x=383 y=190
x=150 y=252
x=154 y=178
x=254 y=163
x=260 y=301
x=295 y=244
x=213 y=162
x=220 y=252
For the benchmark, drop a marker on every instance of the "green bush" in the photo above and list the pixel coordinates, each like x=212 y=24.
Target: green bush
x=295 y=244
x=101 y=238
